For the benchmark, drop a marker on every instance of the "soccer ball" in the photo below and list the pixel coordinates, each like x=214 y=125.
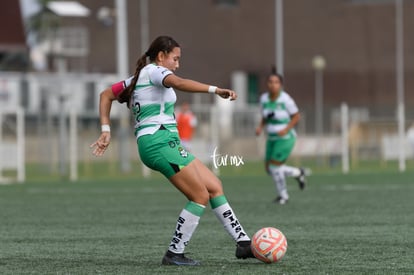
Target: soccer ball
x=269 y=245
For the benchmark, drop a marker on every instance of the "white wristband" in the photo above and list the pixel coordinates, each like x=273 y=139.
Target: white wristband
x=212 y=89
x=105 y=128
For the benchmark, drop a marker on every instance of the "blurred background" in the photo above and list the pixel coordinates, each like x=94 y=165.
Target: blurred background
x=348 y=64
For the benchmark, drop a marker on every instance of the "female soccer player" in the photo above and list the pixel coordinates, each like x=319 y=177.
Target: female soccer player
x=280 y=115
x=151 y=97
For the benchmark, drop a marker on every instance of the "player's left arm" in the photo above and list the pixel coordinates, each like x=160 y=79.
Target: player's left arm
x=294 y=119
x=188 y=85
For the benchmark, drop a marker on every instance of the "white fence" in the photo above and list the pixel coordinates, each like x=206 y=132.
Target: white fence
x=52 y=99
x=389 y=148
x=54 y=93
x=12 y=143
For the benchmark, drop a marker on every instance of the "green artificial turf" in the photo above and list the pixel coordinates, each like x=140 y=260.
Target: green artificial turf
x=361 y=223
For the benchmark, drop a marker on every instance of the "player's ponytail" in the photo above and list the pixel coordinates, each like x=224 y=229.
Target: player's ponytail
x=160 y=44
x=125 y=96
x=273 y=72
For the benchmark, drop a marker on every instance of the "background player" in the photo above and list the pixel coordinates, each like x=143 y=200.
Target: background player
x=279 y=115
x=186 y=124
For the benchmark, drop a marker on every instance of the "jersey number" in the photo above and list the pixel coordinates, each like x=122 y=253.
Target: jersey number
x=136 y=109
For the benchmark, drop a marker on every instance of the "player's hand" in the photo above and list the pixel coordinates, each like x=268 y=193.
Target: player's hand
x=226 y=93
x=101 y=144
x=258 y=130
x=283 y=132
x=267 y=168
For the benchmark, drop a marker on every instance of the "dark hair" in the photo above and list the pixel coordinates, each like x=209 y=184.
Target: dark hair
x=161 y=44
x=273 y=72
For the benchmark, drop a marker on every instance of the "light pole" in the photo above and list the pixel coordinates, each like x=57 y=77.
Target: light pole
x=106 y=15
x=144 y=12
x=279 y=36
x=122 y=70
x=318 y=64
x=399 y=64
x=60 y=53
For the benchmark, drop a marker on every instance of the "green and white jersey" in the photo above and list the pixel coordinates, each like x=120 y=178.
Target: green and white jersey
x=152 y=103
x=277 y=114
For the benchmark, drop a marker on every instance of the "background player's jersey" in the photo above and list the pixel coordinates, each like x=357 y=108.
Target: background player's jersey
x=277 y=113
x=186 y=122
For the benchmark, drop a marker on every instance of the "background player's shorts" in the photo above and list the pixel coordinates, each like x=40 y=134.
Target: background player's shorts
x=163 y=152
x=279 y=149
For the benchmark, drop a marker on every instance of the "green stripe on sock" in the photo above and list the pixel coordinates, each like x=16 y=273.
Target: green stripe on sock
x=218 y=201
x=194 y=208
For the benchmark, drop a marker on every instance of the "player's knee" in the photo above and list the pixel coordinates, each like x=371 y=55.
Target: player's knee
x=216 y=189
x=202 y=198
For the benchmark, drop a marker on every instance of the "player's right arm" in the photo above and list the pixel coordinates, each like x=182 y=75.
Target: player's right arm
x=259 y=128
x=105 y=103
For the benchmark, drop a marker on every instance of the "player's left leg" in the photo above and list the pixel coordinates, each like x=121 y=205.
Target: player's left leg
x=186 y=225
x=223 y=211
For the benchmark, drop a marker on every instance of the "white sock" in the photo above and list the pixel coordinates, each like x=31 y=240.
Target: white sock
x=186 y=225
x=290 y=171
x=278 y=176
x=227 y=217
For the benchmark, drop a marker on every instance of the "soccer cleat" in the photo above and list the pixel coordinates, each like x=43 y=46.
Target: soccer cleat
x=244 y=250
x=171 y=258
x=301 y=179
x=280 y=200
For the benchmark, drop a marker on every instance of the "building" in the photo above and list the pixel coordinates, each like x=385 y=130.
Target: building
x=219 y=37
x=13 y=49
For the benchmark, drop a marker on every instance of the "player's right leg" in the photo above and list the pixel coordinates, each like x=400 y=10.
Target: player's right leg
x=189 y=217
x=186 y=224
x=162 y=152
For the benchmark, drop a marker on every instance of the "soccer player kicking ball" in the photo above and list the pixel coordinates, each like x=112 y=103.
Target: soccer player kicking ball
x=150 y=96
x=279 y=115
